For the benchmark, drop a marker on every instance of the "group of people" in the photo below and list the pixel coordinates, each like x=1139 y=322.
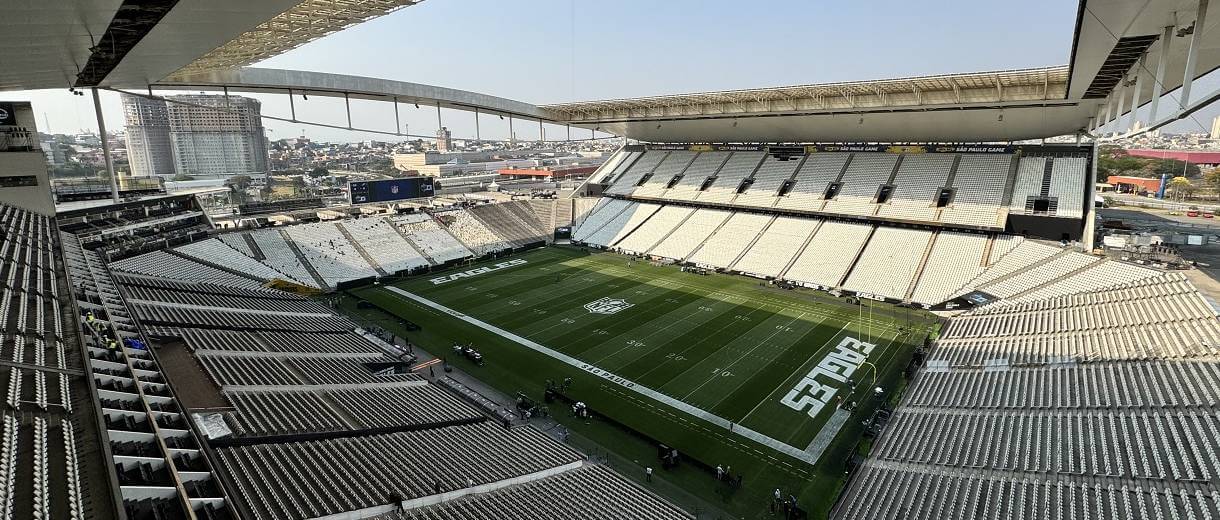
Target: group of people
x=785 y=505
x=579 y=409
x=725 y=474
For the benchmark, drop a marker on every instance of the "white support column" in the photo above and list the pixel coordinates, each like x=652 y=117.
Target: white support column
x=101 y=130
x=1139 y=85
x=1192 y=55
x=1110 y=105
x=1120 y=90
x=1158 y=81
x=478 y=136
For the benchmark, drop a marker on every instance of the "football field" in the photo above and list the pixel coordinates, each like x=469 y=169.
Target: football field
x=767 y=364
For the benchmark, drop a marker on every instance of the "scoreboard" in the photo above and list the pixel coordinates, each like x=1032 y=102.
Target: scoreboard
x=389 y=189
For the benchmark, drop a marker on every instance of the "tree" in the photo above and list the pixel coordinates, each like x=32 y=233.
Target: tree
x=1212 y=179
x=1175 y=168
x=1181 y=188
x=237 y=187
x=320 y=171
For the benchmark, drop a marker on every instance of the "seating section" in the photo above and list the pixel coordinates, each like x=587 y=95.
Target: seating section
x=280 y=256
x=281 y=413
x=955 y=259
x=1093 y=404
x=436 y=244
x=614 y=167
x=1022 y=257
x=592 y=492
x=215 y=252
x=1160 y=316
x=811 y=180
x=247 y=370
x=617 y=228
x=659 y=179
x=1067 y=176
x=163 y=264
x=384 y=244
x=731 y=240
x=866 y=173
x=691 y=234
x=889 y=262
x=705 y=165
x=626 y=182
x=916 y=186
x=326 y=477
x=777 y=246
x=978 y=190
x=656 y=228
x=392 y=406
x=1028 y=185
x=1051 y=270
x=737 y=168
x=473 y=234
x=829 y=255
x=771 y=174
x=329 y=252
x=603 y=213
x=510 y=221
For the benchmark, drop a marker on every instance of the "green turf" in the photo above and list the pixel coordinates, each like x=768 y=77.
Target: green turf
x=720 y=343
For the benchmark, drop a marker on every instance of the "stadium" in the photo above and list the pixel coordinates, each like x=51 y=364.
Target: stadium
x=876 y=299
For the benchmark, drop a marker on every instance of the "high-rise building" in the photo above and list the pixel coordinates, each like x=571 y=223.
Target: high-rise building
x=147 y=127
x=201 y=135
x=444 y=140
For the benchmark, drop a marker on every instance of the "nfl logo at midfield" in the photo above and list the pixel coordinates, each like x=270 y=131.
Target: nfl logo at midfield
x=607 y=305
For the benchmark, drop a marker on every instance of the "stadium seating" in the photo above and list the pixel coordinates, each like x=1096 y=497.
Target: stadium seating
x=705 y=165
x=829 y=255
x=658 y=182
x=392 y=406
x=318 y=478
x=693 y=232
x=281 y=412
x=916 y=185
x=955 y=259
x=473 y=234
x=330 y=253
x=625 y=183
x=738 y=167
x=1030 y=171
x=811 y=180
x=1067 y=176
x=978 y=185
x=621 y=225
x=865 y=174
x=606 y=210
x=280 y=256
x=1020 y=258
x=615 y=166
x=591 y=492
x=764 y=190
x=732 y=239
x=384 y=244
x=167 y=265
x=777 y=246
x=511 y=222
x=215 y=251
x=426 y=235
x=889 y=262
x=656 y=228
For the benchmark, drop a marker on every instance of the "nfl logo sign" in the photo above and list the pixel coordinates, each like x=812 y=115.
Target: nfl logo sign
x=607 y=305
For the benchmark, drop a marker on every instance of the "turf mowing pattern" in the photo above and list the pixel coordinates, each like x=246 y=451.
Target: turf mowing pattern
x=719 y=343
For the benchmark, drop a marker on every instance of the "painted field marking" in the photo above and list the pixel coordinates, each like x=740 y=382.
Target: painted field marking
x=674 y=403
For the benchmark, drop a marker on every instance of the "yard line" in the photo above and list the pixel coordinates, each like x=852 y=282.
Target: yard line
x=613 y=379
x=743 y=356
x=727 y=323
x=745 y=380
x=674 y=321
x=798 y=369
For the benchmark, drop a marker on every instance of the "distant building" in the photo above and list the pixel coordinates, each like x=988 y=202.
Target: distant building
x=444 y=140
x=202 y=135
x=147 y=127
x=1215 y=133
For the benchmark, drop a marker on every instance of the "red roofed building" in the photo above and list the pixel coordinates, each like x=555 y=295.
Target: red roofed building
x=1201 y=158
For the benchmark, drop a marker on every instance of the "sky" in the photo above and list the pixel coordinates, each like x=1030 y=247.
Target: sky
x=547 y=51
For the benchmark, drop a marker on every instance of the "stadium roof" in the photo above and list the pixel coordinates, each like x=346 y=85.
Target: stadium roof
x=1117 y=45
x=978 y=87
x=59 y=44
